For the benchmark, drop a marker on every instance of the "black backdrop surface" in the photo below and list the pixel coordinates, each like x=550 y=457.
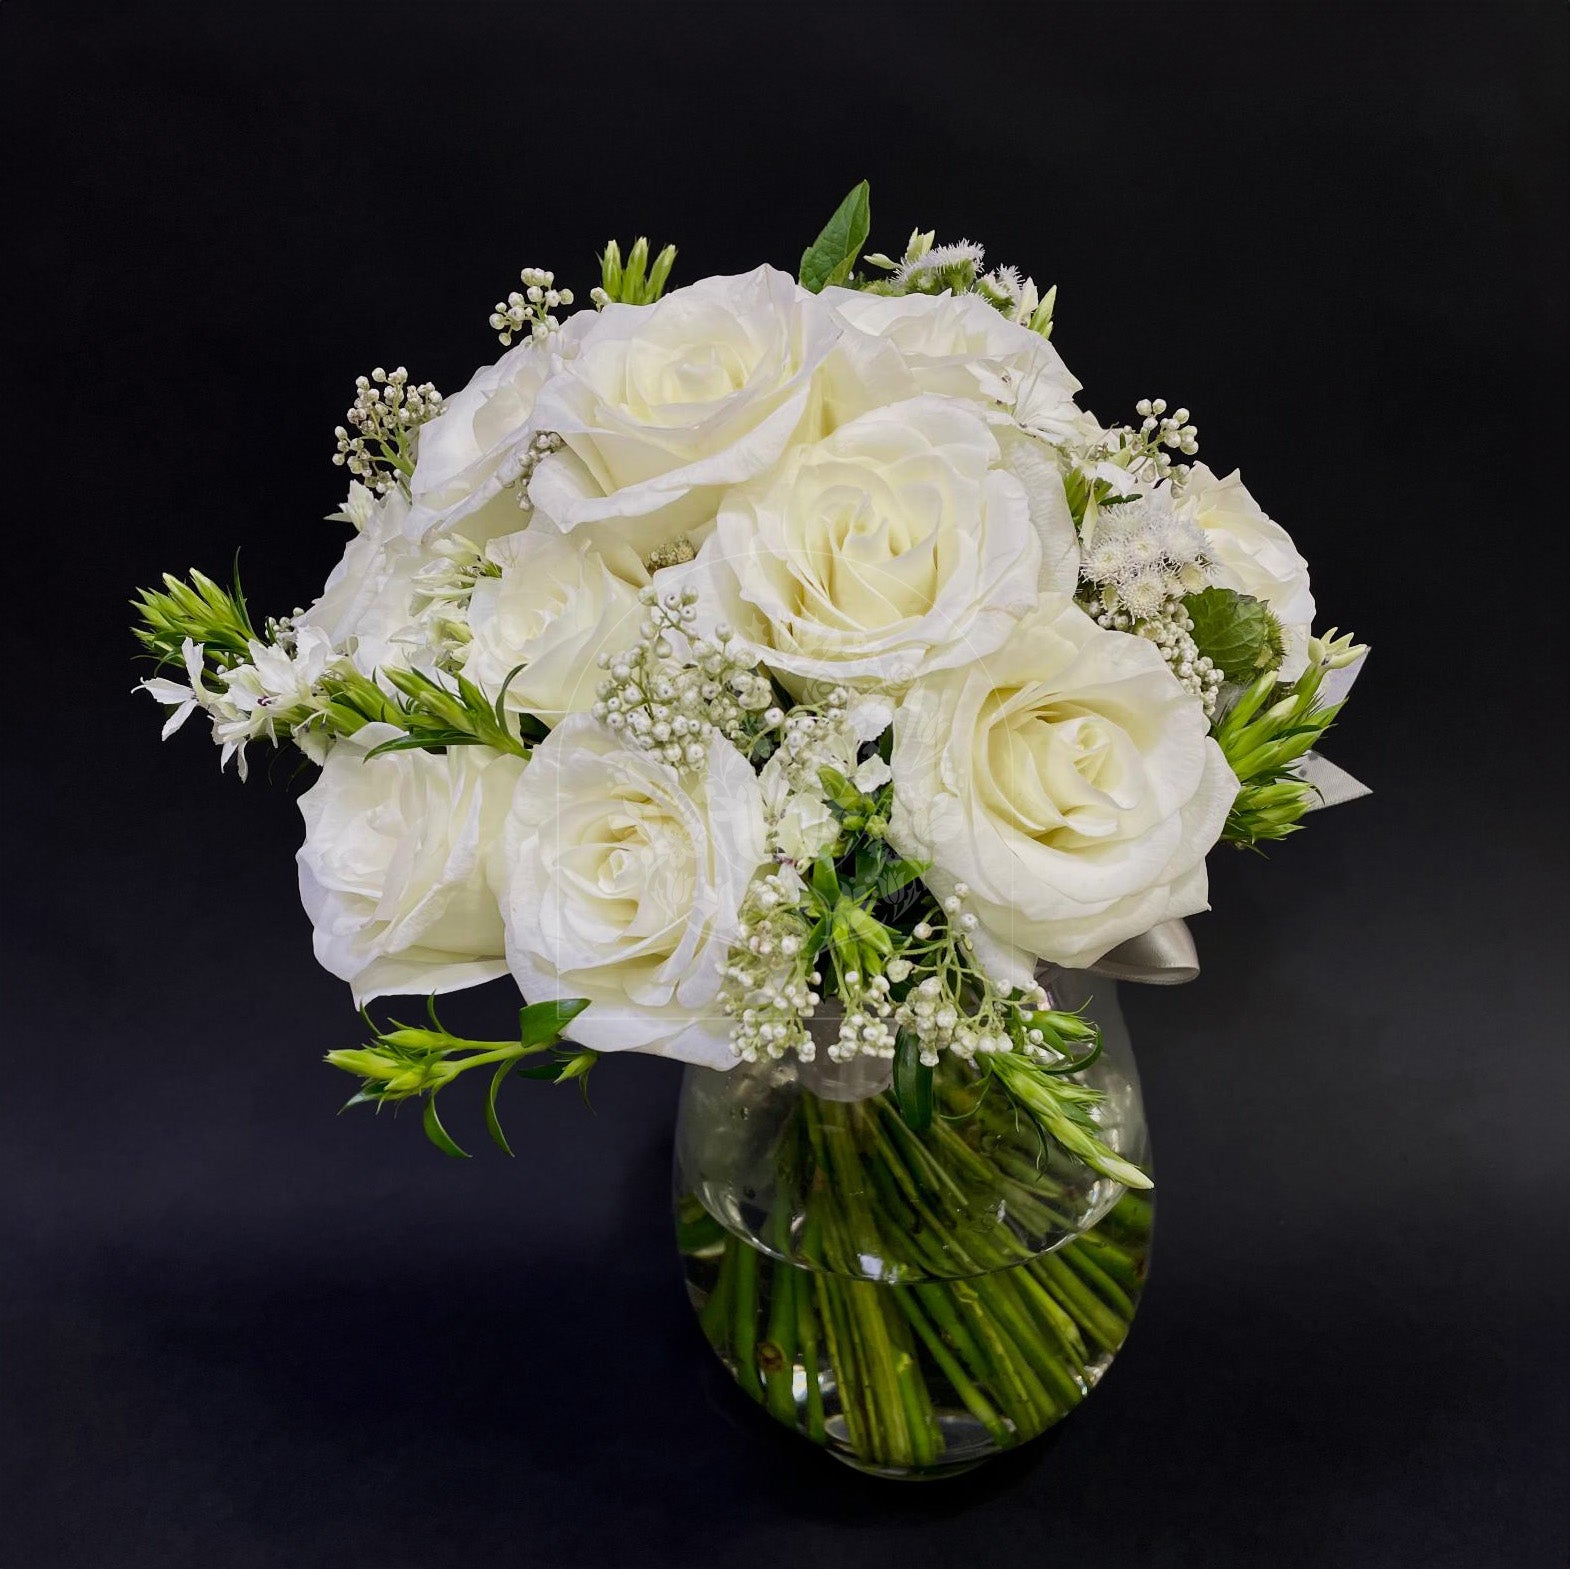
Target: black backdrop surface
x=240 y=1331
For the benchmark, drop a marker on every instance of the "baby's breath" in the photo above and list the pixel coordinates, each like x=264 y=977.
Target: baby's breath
x=377 y=445
x=673 y=689
x=530 y=311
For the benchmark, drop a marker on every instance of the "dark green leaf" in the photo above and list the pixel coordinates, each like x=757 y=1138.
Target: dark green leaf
x=912 y=1084
x=544 y=1021
x=830 y=258
x=840 y=790
x=1235 y=631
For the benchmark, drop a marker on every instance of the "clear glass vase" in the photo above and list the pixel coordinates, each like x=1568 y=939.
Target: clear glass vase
x=913 y=1302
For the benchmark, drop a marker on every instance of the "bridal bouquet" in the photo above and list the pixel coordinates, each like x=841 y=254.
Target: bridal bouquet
x=788 y=676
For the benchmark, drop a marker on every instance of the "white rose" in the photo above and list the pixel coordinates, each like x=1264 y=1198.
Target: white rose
x=555 y=606
x=364 y=609
x=666 y=404
x=908 y=540
x=1070 y=781
x=959 y=345
x=624 y=879
x=393 y=870
x=467 y=459
x=1253 y=555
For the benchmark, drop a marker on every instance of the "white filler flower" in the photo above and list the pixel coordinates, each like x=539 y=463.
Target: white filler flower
x=624 y=879
x=904 y=542
x=1069 y=781
x=1253 y=555
x=393 y=868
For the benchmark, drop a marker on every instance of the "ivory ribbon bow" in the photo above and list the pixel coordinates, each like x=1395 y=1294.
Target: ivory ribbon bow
x=1166 y=955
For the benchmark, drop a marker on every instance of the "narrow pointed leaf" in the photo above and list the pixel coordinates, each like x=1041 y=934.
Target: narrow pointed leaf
x=492 y=1121
x=438 y=1135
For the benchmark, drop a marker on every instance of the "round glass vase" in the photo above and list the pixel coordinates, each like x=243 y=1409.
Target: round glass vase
x=914 y=1302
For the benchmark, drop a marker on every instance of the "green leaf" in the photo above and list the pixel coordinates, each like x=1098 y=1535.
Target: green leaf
x=839 y=789
x=825 y=881
x=830 y=258
x=1236 y=631
x=899 y=874
x=912 y=1084
x=544 y=1021
x=438 y=1135
x=493 y=1124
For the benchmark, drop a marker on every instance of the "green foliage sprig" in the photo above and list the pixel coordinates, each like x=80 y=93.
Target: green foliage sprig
x=1062 y=1109
x=201 y=610
x=1263 y=745
x=633 y=282
x=410 y=1062
x=432 y=714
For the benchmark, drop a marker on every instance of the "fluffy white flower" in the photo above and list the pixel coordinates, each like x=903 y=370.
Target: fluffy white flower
x=906 y=541
x=1070 y=781
x=623 y=884
x=556 y=605
x=1253 y=555
x=365 y=610
x=665 y=405
x=393 y=868
x=959 y=345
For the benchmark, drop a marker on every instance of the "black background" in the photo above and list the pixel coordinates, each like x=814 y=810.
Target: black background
x=240 y=1331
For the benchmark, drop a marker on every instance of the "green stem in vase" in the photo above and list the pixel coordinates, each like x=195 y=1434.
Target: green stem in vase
x=777 y=1354
x=807 y=1328
x=1099 y=1281
x=1113 y=1260
x=715 y=1314
x=745 y=1320
x=1034 y=1349
x=1088 y=1311
x=975 y=1402
x=1058 y=1321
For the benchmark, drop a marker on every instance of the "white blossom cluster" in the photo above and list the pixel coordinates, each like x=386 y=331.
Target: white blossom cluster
x=927 y=268
x=1143 y=554
x=673 y=689
x=771 y=989
x=517 y=470
x=955 y=1006
x=385 y=414
x=531 y=310
x=1171 y=629
x=276 y=692
x=756 y=657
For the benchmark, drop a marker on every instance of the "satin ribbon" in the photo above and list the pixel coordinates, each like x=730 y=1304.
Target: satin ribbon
x=1163 y=956
x=1166 y=955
